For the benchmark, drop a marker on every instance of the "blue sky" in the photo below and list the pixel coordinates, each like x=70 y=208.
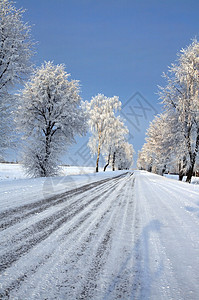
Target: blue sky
x=114 y=47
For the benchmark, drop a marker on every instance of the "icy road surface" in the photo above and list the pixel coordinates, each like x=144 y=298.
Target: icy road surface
x=134 y=236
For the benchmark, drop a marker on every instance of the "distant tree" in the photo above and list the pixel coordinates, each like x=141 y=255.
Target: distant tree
x=159 y=142
x=50 y=116
x=145 y=158
x=15 y=53
x=162 y=144
x=124 y=156
x=115 y=136
x=100 y=111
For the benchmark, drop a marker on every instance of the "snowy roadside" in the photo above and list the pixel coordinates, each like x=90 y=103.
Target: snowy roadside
x=194 y=180
x=25 y=190
x=10 y=171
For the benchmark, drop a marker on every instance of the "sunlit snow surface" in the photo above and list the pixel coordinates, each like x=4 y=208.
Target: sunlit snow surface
x=10 y=171
x=99 y=236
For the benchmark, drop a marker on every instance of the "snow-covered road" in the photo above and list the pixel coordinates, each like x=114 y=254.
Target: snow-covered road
x=134 y=236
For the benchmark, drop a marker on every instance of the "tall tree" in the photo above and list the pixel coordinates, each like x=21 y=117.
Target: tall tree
x=163 y=144
x=15 y=53
x=182 y=95
x=50 y=116
x=101 y=110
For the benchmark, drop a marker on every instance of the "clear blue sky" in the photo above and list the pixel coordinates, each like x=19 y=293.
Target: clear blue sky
x=114 y=47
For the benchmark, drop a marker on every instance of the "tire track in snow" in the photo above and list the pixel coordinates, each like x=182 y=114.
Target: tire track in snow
x=42 y=230
x=101 y=266
x=79 y=255
x=72 y=202
x=122 y=279
x=14 y=284
x=12 y=216
x=88 y=247
x=100 y=260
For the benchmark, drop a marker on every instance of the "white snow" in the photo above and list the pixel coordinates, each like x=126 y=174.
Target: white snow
x=130 y=237
x=194 y=180
x=10 y=171
x=23 y=189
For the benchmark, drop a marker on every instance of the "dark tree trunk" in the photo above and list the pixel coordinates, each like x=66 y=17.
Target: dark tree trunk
x=163 y=170
x=97 y=162
x=107 y=163
x=42 y=170
x=47 y=149
x=97 y=165
x=181 y=167
x=193 y=159
x=113 y=162
x=181 y=175
x=190 y=173
x=98 y=151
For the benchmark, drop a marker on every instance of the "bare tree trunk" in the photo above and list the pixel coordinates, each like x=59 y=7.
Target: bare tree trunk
x=43 y=170
x=181 y=175
x=163 y=170
x=113 y=162
x=191 y=168
x=193 y=159
x=107 y=162
x=190 y=173
x=98 y=155
x=98 y=152
x=181 y=167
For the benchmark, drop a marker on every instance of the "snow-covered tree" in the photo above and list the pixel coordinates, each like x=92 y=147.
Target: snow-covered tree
x=5 y=121
x=159 y=142
x=124 y=156
x=15 y=45
x=101 y=112
x=181 y=94
x=50 y=116
x=145 y=158
x=173 y=137
x=115 y=136
x=15 y=53
x=161 y=147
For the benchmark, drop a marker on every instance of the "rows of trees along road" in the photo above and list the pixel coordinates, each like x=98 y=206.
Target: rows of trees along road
x=48 y=111
x=172 y=141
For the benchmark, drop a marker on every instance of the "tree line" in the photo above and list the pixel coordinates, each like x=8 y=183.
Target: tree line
x=48 y=112
x=172 y=139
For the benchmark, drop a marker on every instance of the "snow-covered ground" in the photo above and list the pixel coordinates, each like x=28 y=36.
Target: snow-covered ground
x=20 y=191
x=112 y=235
x=194 y=180
x=10 y=171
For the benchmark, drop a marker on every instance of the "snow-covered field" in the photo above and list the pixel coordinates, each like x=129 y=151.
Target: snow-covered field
x=112 y=235
x=10 y=171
